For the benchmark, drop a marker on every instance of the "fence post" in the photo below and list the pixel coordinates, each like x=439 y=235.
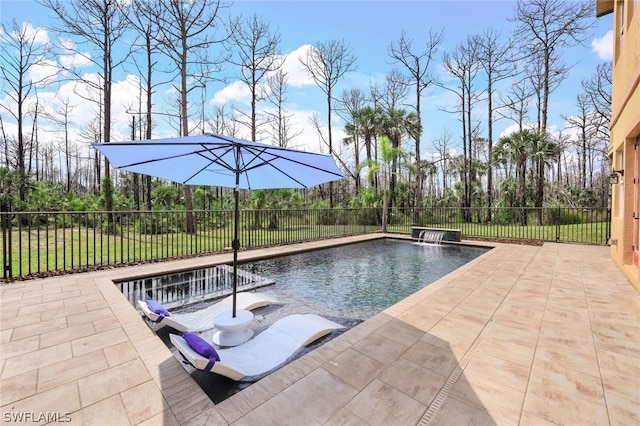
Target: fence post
x=558 y=225
x=608 y=226
x=6 y=240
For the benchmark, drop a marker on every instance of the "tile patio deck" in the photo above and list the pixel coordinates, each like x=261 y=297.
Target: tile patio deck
x=522 y=335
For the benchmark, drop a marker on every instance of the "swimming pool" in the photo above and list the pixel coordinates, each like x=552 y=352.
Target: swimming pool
x=347 y=284
x=351 y=282
x=357 y=281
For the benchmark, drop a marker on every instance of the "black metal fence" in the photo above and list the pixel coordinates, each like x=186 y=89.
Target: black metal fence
x=41 y=243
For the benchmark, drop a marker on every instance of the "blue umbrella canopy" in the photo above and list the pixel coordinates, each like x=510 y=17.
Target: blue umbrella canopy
x=217 y=160
x=221 y=161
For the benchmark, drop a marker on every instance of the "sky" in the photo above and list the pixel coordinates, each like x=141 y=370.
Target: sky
x=368 y=27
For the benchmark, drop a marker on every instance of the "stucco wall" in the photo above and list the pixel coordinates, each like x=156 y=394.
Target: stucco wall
x=625 y=127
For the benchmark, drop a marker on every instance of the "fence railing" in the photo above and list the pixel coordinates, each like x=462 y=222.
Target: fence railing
x=39 y=243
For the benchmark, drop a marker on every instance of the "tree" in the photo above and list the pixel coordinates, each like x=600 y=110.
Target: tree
x=418 y=65
x=497 y=62
x=598 y=90
x=368 y=121
x=516 y=103
x=389 y=155
x=256 y=51
x=61 y=116
x=142 y=19
x=582 y=123
x=463 y=66
x=444 y=150
x=397 y=125
x=545 y=27
x=543 y=151
x=23 y=49
x=516 y=148
x=101 y=24
x=353 y=101
x=280 y=119
x=327 y=62
x=393 y=93
x=187 y=34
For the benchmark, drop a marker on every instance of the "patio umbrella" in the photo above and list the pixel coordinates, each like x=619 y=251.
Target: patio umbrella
x=217 y=160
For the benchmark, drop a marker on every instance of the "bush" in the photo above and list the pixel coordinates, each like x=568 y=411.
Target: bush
x=505 y=216
x=341 y=216
x=367 y=217
x=112 y=228
x=560 y=216
x=152 y=224
x=397 y=217
x=325 y=217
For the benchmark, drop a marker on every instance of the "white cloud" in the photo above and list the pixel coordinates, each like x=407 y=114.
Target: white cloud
x=236 y=92
x=70 y=57
x=32 y=35
x=552 y=129
x=38 y=35
x=297 y=76
x=603 y=46
x=513 y=128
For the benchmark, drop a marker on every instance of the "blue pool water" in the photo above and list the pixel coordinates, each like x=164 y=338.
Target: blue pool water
x=360 y=280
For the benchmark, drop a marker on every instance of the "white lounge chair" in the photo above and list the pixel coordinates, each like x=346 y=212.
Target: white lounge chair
x=265 y=352
x=203 y=319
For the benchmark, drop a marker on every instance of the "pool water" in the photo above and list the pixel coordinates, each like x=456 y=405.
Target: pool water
x=360 y=280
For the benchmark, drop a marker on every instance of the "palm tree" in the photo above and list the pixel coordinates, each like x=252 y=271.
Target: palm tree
x=389 y=156
x=516 y=148
x=543 y=152
x=367 y=122
x=273 y=201
x=398 y=124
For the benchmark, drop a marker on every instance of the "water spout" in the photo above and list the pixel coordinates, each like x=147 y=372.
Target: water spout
x=431 y=236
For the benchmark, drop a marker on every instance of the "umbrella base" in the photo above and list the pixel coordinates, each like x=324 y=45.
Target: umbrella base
x=232 y=331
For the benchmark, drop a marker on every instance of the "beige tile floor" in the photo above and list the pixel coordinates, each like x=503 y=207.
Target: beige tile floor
x=522 y=335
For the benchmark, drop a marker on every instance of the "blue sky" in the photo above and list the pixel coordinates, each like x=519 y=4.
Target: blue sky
x=368 y=27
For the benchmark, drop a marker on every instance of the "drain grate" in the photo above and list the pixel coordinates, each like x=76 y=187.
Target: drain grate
x=457 y=372
x=453 y=378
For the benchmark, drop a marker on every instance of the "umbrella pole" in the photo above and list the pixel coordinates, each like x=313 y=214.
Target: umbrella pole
x=236 y=246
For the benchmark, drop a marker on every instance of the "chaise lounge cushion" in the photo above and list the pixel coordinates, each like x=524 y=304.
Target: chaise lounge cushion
x=265 y=352
x=157 y=308
x=201 y=319
x=199 y=345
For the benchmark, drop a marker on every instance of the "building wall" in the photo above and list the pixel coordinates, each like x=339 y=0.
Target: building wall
x=625 y=133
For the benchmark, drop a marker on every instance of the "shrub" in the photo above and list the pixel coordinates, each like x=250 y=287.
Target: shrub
x=153 y=224
x=560 y=216
x=325 y=216
x=505 y=216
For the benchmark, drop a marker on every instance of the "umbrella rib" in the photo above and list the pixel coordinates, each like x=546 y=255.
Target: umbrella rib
x=154 y=160
x=258 y=154
x=217 y=158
